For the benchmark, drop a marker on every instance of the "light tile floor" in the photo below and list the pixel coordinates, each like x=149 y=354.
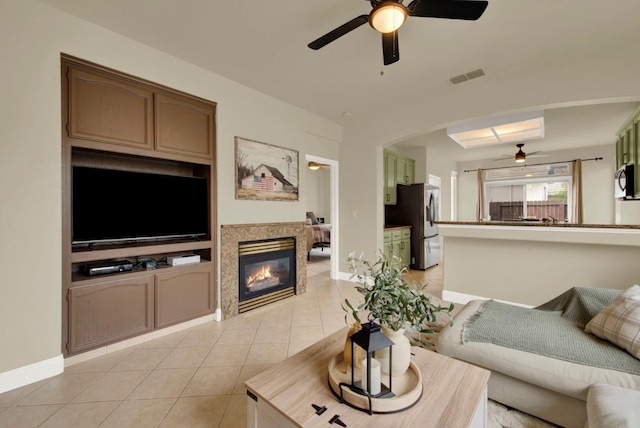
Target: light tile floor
x=192 y=378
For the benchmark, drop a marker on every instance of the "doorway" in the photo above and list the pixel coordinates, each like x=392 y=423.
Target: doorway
x=330 y=167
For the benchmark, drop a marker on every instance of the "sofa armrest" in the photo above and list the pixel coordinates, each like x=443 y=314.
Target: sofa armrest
x=612 y=406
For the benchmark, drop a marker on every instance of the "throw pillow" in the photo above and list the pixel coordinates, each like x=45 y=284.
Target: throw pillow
x=619 y=323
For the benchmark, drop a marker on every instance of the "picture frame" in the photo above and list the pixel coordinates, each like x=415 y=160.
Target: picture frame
x=265 y=172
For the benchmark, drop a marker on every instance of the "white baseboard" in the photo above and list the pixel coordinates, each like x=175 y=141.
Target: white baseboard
x=35 y=372
x=447 y=296
x=463 y=298
x=345 y=276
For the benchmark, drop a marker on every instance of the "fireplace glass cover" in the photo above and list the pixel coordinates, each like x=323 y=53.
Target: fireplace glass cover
x=266 y=266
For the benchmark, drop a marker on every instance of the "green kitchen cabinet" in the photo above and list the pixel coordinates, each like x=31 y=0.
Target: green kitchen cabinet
x=405 y=170
x=386 y=249
x=389 y=178
x=398 y=169
x=628 y=145
x=405 y=246
x=397 y=242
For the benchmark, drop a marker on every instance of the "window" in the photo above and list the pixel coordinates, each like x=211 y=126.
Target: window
x=528 y=192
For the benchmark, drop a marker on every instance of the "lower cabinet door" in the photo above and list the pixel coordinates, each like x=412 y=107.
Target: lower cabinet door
x=405 y=252
x=183 y=294
x=109 y=311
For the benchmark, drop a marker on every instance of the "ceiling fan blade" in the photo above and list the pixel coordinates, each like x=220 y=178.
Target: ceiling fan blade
x=338 y=32
x=453 y=9
x=390 y=50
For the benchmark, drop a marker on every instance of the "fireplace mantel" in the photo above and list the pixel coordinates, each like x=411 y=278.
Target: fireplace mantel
x=232 y=234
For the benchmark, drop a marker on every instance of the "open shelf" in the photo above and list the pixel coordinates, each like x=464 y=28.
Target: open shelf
x=136 y=250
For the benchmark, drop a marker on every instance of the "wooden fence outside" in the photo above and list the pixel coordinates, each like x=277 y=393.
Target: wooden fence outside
x=512 y=210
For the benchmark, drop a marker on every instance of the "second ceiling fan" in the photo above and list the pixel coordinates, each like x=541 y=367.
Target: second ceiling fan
x=521 y=156
x=388 y=15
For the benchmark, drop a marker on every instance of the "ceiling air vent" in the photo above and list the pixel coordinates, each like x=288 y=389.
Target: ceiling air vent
x=466 y=76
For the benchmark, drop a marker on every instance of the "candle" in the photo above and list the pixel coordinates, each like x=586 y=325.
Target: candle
x=375 y=376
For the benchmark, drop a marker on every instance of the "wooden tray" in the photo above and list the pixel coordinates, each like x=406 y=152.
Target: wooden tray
x=407 y=388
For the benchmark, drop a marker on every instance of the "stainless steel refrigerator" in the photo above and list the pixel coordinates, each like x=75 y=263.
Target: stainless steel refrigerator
x=418 y=206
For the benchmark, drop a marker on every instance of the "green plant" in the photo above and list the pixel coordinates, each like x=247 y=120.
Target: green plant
x=390 y=299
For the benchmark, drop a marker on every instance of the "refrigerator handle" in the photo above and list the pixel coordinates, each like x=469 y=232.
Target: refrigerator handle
x=430 y=210
x=430 y=236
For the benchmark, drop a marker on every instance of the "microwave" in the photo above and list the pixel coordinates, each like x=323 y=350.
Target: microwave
x=623 y=183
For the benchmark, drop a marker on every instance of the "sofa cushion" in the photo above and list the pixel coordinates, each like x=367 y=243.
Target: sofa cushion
x=611 y=406
x=561 y=376
x=619 y=322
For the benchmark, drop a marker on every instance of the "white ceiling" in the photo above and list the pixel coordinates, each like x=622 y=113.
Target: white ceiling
x=555 y=53
x=565 y=128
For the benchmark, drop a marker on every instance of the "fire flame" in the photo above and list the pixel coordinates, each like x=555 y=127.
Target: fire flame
x=261 y=275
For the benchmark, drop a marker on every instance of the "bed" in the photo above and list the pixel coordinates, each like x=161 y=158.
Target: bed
x=318 y=234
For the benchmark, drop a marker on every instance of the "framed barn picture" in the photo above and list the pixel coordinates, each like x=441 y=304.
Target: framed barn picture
x=265 y=172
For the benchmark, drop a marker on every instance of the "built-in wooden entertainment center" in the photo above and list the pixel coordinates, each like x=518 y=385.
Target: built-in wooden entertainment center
x=116 y=121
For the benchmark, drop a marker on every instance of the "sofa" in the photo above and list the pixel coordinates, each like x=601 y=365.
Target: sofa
x=549 y=362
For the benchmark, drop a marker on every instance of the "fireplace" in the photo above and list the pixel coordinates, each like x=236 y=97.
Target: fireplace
x=267 y=272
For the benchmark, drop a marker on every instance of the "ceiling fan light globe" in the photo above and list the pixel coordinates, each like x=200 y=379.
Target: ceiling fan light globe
x=313 y=166
x=520 y=157
x=387 y=17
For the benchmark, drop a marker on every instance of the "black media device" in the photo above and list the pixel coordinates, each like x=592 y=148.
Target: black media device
x=113 y=205
x=102 y=268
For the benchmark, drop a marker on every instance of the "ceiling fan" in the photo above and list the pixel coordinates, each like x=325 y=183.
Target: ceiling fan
x=521 y=156
x=388 y=15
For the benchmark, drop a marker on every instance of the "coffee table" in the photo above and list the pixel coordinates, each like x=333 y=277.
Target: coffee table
x=454 y=393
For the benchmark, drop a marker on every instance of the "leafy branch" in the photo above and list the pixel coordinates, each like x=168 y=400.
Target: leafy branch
x=390 y=299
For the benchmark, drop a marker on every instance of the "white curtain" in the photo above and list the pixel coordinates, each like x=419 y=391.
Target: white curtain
x=576 y=192
x=480 y=211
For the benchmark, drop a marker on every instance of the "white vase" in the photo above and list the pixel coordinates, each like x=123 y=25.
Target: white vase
x=401 y=353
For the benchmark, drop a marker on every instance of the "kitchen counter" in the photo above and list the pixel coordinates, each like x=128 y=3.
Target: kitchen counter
x=603 y=234
x=527 y=223
x=393 y=226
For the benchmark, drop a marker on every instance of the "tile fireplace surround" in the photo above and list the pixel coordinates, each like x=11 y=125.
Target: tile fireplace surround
x=232 y=234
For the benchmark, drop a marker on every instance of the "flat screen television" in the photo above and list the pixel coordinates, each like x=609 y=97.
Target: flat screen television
x=113 y=205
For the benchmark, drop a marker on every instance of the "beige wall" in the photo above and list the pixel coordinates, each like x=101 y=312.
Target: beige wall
x=627 y=212
x=32 y=36
x=532 y=273
x=361 y=201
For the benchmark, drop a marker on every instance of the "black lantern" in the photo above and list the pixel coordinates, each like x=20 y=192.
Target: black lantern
x=371 y=339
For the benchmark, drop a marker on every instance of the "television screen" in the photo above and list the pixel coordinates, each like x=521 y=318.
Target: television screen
x=114 y=205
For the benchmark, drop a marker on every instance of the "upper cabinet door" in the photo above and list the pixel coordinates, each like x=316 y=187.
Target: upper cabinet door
x=401 y=170
x=184 y=125
x=109 y=109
